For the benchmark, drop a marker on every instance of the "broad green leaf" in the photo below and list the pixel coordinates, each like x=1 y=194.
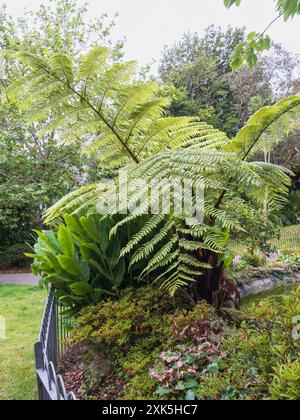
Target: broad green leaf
x=91 y=228
x=101 y=269
x=74 y=225
x=58 y=282
x=81 y=288
x=85 y=271
x=70 y=265
x=113 y=251
x=119 y=273
x=49 y=240
x=66 y=241
x=104 y=236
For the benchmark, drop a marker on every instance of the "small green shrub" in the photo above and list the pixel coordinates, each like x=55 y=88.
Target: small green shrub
x=139 y=319
x=258 y=359
x=261 y=358
x=249 y=261
x=290 y=257
x=254 y=260
x=158 y=349
x=132 y=332
x=140 y=387
x=286 y=382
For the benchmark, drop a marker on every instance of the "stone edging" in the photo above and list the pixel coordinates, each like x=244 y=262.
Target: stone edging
x=270 y=281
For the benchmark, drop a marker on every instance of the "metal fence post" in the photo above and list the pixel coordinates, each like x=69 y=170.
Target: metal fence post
x=48 y=351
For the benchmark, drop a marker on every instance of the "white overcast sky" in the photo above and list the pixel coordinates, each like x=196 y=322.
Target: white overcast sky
x=150 y=24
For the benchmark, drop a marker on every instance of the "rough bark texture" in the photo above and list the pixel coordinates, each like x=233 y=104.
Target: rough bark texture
x=213 y=286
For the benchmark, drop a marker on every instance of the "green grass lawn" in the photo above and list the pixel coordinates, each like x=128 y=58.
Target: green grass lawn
x=22 y=307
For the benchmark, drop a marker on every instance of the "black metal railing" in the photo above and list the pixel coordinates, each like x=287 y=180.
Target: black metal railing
x=48 y=351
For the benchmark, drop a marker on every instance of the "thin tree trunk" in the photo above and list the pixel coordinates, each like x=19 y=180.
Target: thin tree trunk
x=213 y=286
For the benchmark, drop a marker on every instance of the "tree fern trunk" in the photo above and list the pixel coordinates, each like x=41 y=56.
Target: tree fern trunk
x=208 y=284
x=213 y=286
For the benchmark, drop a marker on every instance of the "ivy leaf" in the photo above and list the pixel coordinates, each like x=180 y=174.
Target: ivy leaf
x=191 y=383
x=163 y=391
x=213 y=368
x=181 y=386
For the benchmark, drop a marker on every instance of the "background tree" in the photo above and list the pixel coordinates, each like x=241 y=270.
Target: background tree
x=288 y=154
x=34 y=170
x=204 y=86
x=200 y=67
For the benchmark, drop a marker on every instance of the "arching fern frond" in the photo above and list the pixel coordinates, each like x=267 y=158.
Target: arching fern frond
x=80 y=202
x=177 y=245
x=116 y=119
x=271 y=122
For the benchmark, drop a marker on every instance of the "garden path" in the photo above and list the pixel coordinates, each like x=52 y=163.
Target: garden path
x=22 y=278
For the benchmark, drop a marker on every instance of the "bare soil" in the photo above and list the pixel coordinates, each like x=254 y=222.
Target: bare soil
x=90 y=377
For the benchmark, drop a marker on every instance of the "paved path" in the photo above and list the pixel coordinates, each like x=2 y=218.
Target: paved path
x=22 y=278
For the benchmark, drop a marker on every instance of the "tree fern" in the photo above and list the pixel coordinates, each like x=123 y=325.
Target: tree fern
x=122 y=122
x=170 y=243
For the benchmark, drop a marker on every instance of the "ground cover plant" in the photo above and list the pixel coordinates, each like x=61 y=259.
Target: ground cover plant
x=132 y=349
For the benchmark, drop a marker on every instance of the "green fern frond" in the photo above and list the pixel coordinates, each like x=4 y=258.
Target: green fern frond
x=128 y=114
x=162 y=256
x=93 y=63
x=261 y=124
x=87 y=195
x=148 y=248
x=147 y=229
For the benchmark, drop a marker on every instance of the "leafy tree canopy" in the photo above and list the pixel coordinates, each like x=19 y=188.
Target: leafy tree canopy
x=200 y=83
x=34 y=171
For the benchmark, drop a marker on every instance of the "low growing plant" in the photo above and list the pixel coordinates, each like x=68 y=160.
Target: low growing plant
x=261 y=359
x=291 y=258
x=132 y=332
x=129 y=333
x=159 y=349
